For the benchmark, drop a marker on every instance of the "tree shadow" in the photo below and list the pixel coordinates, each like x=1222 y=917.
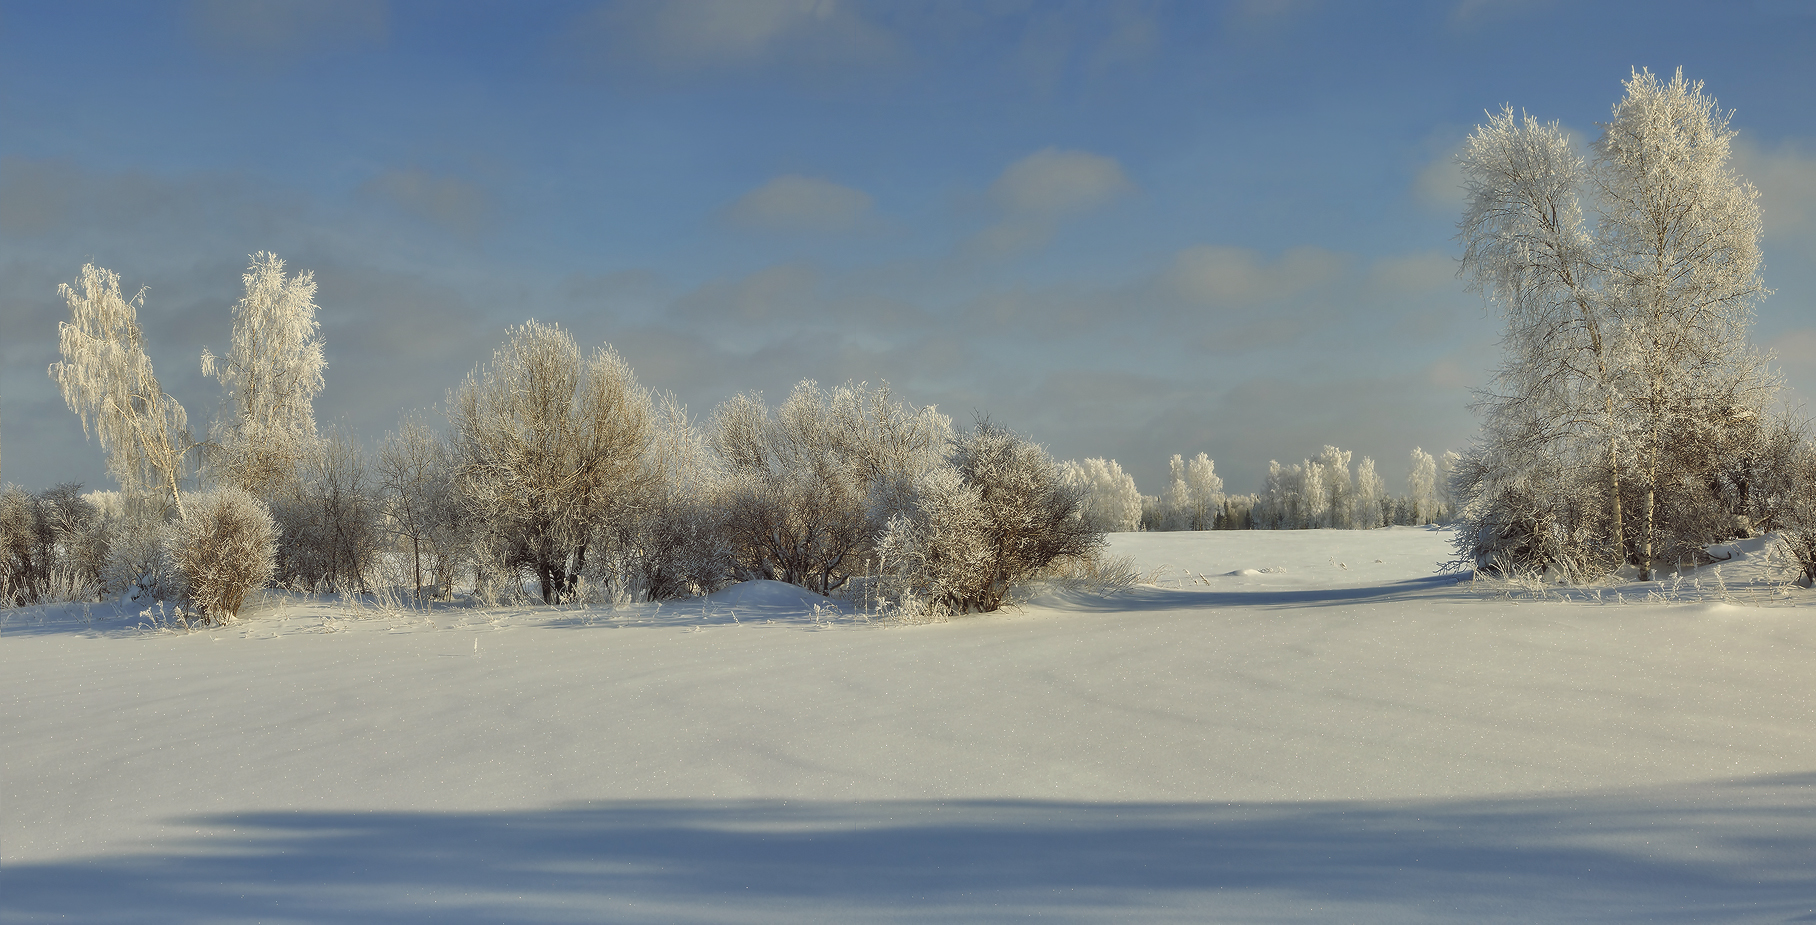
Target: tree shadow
x=1151 y=597
x=1740 y=851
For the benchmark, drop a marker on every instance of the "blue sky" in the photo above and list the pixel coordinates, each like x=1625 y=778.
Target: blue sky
x=1126 y=229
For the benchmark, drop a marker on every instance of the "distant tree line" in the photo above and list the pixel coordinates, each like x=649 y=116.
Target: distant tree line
x=1320 y=493
x=556 y=471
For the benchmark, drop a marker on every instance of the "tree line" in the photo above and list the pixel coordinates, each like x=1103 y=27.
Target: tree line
x=1320 y=493
x=556 y=469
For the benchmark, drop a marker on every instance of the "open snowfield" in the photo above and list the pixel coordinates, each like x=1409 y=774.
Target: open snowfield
x=1298 y=726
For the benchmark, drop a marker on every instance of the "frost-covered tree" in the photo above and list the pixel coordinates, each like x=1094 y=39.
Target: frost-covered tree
x=808 y=488
x=672 y=542
x=1422 y=487
x=1622 y=337
x=1334 y=478
x=1112 y=503
x=546 y=443
x=414 y=478
x=1680 y=234
x=270 y=375
x=330 y=520
x=1371 y=492
x=988 y=521
x=107 y=380
x=1448 y=461
x=1194 y=495
x=1796 y=520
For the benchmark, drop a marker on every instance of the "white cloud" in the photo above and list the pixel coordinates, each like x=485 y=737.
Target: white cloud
x=1410 y=274
x=1213 y=275
x=455 y=204
x=1045 y=188
x=1053 y=182
x=1438 y=186
x=1786 y=178
x=692 y=36
x=796 y=203
x=281 y=31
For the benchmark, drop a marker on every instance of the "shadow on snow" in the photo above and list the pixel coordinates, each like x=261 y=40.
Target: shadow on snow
x=1721 y=851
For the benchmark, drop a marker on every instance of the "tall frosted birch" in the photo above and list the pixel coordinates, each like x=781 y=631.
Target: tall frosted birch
x=1678 y=233
x=271 y=373
x=107 y=380
x=1527 y=250
x=1626 y=340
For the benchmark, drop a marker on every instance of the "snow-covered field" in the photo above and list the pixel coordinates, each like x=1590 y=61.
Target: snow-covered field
x=1294 y=726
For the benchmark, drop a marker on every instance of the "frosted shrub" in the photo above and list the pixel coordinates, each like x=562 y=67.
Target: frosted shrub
x=676 y=535
x=806 y=490
x=992 y=519
x=936 y=555
x=1797 y=527
x=137 y=564
x=53 y=546
x=329 y=522
x=225 y=550
x=419 y=509
x=547 y=444
x=1531 y=516
x=23 y=547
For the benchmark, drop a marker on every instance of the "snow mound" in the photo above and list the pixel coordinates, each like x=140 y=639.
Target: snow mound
x=1246 y=571
x=776 y=595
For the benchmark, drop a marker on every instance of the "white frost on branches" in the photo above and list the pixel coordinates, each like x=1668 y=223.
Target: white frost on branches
x=107 y=380
x=271 y=374
x=1112 y=503
x=1628 y=379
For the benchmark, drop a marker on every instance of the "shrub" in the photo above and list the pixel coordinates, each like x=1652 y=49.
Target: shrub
x=330 y=529
x=806 y=491
x=52 y=546
x=225 y=549
x=547 y=443
x=993 y=518
x=1797 y=521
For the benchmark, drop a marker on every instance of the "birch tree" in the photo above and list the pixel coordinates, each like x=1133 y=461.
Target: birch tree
x=1371 y=490
x=271 y=373
x=1195 y=494
x=1111 y=502
x=1679 y=234
x=107 y=380
x=1422 y=487
x=1622 y=336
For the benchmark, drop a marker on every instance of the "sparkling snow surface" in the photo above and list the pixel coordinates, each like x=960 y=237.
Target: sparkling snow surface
x=1296 y=726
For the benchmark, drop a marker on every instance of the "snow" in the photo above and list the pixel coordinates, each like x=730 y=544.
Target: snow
x=1286 y=726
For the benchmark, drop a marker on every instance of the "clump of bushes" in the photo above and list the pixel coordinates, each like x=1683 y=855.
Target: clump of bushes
x=225 y=549
x=994 y=516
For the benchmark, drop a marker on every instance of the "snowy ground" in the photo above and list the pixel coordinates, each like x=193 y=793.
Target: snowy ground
x=1295 y=726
